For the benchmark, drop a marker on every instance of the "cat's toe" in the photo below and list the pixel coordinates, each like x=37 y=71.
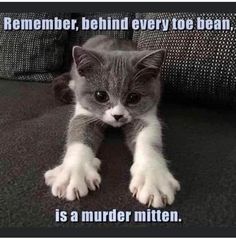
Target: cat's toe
x=77 y=187
x=58 y=190
x=149 y=196
x=72 y=194
x=92 y=177
x=153 y=189
x=83 y=180
x=60 y=184
x=73 y=183
x=96 y=163
x=51 y=175
x=93 y=180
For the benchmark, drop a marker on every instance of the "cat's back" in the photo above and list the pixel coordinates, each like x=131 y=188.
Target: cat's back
x=107 y=43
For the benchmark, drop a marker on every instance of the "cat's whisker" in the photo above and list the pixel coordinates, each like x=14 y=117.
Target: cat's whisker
x=88 y=121
x=95 y=120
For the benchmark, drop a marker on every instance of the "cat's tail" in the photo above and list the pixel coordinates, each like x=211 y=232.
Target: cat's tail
x=61 y=87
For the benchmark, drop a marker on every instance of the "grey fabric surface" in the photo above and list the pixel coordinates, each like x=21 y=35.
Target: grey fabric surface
x=200 y=65
x=80 y=37
x=31 y=55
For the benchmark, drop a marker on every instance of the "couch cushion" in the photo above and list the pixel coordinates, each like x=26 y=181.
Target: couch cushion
x=31 y=55
x=80 y=37
x=199 y=142
x=200 y=65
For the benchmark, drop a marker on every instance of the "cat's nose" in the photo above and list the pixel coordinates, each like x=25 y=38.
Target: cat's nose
x=117 y=117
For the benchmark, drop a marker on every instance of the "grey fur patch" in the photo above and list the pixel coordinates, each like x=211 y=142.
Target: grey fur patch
x=87 y=130
x=131 y=130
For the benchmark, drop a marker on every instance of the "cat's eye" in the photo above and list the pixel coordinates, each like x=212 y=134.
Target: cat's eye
x=101 y=96
x=133 y=98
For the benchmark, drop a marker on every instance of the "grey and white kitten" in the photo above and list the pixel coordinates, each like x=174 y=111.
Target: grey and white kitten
x=114 y=84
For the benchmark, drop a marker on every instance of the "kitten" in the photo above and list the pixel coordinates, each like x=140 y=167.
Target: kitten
x=114 y=84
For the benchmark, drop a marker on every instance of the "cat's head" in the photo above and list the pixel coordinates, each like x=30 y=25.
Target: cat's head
x=117 y=86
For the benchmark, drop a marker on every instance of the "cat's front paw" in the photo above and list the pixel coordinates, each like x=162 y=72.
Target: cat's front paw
x=153 y=186
x=74 y=182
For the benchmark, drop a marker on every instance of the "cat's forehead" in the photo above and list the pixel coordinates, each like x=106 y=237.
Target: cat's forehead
x=115 y=75
x=118 y=62
x=119 y=73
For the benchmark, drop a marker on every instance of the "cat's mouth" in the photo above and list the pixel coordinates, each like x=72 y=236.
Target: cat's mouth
x=118 y=124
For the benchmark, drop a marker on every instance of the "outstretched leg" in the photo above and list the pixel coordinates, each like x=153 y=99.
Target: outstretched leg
x=152 y=183
x=78 y=173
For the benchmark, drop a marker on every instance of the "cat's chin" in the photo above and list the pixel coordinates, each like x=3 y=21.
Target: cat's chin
x=116 y=124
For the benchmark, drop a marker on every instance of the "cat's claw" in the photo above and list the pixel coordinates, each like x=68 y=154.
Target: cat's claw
x=96 y=183
x=134 y=192
x=164 y=200
x=60 y=192
x=150 y=200
x=60 y=195
x=77 y=194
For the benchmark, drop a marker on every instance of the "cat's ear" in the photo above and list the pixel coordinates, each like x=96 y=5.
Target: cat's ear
x=150 y=62
x=86 y=60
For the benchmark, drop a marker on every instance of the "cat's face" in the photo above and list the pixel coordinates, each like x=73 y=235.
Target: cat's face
x=117 y=86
